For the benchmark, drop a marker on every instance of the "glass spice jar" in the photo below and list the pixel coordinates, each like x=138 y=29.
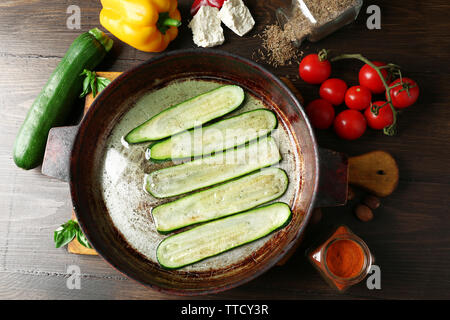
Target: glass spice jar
x=343 y=259
x=316 y=19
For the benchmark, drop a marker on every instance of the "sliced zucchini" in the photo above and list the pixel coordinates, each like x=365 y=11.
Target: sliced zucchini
x=222 y=135
x=208 y=171
x=188 y=114
x=218 y=236
x=228 y=198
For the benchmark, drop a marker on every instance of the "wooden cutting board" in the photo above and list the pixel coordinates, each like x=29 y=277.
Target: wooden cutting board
x=75 y=246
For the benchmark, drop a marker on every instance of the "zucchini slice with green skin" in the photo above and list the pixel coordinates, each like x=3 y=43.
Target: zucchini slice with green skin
x=188 y=114
x=213 y=238
x=54 y=103
x=222 y=135
x=208 y=171
x=235 y=196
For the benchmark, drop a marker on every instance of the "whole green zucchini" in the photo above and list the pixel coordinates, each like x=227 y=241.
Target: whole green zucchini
x=53 y=105
x=213 y=238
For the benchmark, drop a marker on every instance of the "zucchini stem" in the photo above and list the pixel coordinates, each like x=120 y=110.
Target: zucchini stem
x=101 y=37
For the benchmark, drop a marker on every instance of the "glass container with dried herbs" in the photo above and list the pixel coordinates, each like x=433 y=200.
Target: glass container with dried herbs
x=316 y=19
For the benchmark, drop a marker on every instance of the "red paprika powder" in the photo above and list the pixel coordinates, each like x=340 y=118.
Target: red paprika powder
x=343 y=259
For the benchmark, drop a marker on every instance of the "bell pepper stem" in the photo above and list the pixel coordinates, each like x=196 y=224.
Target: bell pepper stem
x=171 y=22
x=165 y=22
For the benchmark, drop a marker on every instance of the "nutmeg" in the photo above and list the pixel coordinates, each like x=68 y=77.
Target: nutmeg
x=363 y=212
x=372 y=202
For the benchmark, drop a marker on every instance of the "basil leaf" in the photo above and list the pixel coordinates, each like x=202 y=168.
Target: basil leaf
x=86 y=87
x=94 y=87
x=92 y=83
x=102 y=83
x=82 y=239
x=65 y=233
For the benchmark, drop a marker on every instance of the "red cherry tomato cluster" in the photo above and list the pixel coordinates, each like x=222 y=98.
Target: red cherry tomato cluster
x=351 y=123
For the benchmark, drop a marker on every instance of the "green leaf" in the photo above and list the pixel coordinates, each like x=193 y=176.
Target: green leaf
x=65 y=233
x=94 y=87
x=86 y=87
x=82 y=239
x=102 y=83
x=92 y=83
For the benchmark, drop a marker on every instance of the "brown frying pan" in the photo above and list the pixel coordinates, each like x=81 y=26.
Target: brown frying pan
x=87 y=161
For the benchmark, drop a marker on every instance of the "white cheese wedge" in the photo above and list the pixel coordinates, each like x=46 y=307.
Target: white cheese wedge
x=236 y=16
x=206 y=28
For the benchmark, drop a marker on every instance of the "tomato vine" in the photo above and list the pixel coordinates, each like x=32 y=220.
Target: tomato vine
x=392 y=69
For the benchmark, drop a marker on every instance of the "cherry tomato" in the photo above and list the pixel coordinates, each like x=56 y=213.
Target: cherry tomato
x=321 y=113
x=369 y=78
x=404 y=95
x=314 y=71
x=384 y=118
x=358 y=98
x=333 y=90
x=350 y=124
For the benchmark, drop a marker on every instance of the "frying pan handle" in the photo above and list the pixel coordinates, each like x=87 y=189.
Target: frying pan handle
x=333 y=179
x=56 y=161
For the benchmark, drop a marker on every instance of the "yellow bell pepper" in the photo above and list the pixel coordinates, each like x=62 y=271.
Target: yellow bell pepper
x=147 y=25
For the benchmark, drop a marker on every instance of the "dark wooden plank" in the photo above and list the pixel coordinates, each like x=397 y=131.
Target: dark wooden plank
x=409 y=235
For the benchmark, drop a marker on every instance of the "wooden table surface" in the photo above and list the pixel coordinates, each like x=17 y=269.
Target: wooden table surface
x=410 y=234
